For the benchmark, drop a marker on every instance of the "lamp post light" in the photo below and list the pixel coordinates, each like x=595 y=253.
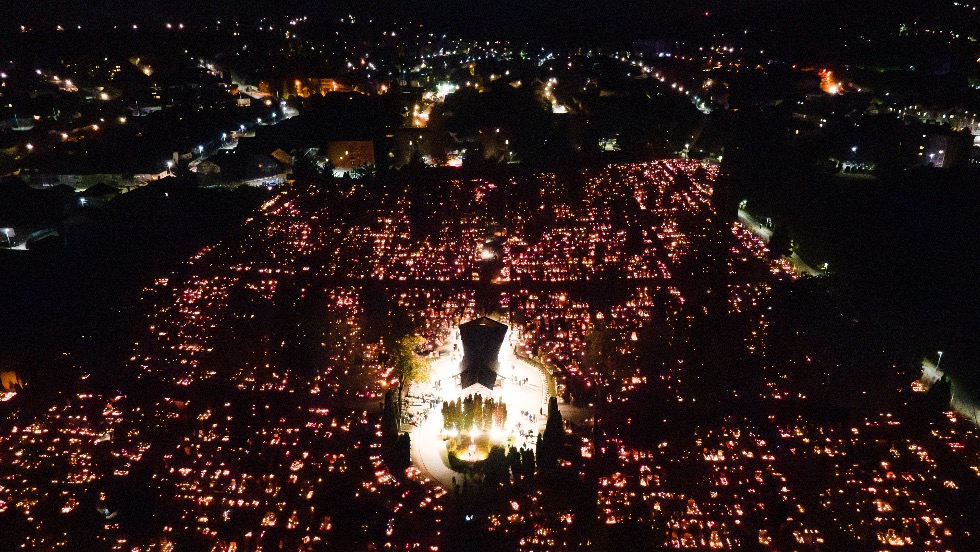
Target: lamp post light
x=940 y=360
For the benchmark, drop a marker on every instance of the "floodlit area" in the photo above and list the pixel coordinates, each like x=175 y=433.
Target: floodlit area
x=521 y=386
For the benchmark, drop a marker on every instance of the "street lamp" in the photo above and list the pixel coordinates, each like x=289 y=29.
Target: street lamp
x=939 y=361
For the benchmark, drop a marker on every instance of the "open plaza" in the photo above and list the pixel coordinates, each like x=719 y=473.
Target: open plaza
x=520 y=385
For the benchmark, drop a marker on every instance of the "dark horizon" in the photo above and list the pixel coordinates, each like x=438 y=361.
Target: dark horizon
x=798 y=23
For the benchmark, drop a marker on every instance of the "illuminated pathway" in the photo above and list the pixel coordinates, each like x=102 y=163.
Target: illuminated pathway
x=765 y=234
x=429 y=448
x=429 y=453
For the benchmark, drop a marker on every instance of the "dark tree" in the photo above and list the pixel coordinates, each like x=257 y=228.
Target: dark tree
x=514 y=460
x=551 y=441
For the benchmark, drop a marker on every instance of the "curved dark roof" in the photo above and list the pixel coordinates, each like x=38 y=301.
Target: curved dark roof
x=482 y=339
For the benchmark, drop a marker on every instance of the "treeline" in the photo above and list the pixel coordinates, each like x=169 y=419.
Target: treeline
x=473 y=412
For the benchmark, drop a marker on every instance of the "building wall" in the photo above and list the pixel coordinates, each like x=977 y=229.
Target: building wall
x=10 y=381
x=350 y=154
x=304 y=88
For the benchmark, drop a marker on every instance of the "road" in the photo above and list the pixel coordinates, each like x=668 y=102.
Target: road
x=765 y=233
x=755 y=226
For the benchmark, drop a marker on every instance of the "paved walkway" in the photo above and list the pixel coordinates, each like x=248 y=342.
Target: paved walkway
x=430 y=456
x=765 y=234
x=524 y=388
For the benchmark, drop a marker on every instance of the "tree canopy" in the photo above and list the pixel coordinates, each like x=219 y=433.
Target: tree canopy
x=410 y=367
